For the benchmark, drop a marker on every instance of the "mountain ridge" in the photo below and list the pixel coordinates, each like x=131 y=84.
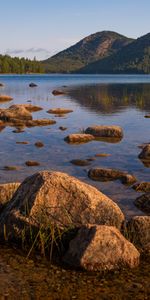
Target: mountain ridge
x=132 y=58
x=89 y=49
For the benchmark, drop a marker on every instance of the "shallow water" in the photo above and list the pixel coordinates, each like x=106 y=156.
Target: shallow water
x=96 y=99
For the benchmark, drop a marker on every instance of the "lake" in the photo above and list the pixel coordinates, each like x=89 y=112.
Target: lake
x=98 y=99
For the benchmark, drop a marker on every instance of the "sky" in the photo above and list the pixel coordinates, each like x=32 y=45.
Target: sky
x=41 y=28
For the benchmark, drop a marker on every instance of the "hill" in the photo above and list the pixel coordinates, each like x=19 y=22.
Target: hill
x=132 y=58
x=89 y=49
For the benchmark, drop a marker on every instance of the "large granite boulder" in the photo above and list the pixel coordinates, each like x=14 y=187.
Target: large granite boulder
x=7 y=190
x=105 y=131
x=57 y=198
x=100 y=248
x=104 y=174
x=138 y=231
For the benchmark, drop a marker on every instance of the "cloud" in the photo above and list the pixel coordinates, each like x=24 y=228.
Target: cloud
x=30 y=52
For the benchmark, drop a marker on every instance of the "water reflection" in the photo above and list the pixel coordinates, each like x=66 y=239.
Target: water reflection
x=109 y=99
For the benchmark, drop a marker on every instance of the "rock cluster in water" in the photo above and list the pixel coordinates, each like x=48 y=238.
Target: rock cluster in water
x=19 y=115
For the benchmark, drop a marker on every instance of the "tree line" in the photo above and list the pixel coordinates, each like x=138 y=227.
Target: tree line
x=17 y=65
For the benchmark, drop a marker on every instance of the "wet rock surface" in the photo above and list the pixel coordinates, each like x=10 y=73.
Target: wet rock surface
x=138 y=231
x=143 y=203
x=101 y=248
x=104 y=174
x=142 y=187
x=60 y=199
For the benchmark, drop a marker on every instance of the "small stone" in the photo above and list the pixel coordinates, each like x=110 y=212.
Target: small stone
x=102 y=155
x=39 y=144
x=31 y=163
x=32 y=84
x=63 y=128
x=58 y=111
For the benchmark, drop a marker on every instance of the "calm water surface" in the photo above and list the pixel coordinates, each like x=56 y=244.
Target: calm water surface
x=97 y=99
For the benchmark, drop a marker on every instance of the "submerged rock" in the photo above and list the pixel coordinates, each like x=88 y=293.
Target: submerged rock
x=23 y=143
x=63 y=128
x=58 y=111
x=142 y=187
x=11 y=168
x=143 y=203
x=105 y=131
x=4 y=98
x=1 y=84
x=57 y=198
x=79 y=138
x=101 y=248
x=145 y=153
x=80 y=162
x=104 y=174
x=138 y=231
x=32 y=84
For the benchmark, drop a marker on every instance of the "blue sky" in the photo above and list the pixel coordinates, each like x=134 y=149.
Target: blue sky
x=41 y=28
